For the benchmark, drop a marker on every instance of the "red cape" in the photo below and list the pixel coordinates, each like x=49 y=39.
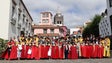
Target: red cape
x=74 y=54
x=13 y=53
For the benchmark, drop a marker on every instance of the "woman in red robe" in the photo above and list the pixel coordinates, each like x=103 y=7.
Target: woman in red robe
x=29 y=52
x=61 y=51
x=53 y=49
x=6 y=54
x=83 y=50
x=74 y=54
x=46 y=51
x=13 y=54
x=88 y=51
x=69 y=51
x=100 y=51
x=91 y=50
x=42 y=51
x=11 y=51
x=95 y=51
x=56 y=52
x=37 y=57
x=33 y=51
x=23 y=52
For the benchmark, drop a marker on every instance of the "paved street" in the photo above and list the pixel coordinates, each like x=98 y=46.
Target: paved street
x=109 y=60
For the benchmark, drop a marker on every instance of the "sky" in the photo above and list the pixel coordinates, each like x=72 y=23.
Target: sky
x=75 y=12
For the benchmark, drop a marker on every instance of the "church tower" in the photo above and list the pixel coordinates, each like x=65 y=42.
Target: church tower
x=58 y=19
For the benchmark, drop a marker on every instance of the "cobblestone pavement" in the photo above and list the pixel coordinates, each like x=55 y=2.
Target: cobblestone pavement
x=109 y=60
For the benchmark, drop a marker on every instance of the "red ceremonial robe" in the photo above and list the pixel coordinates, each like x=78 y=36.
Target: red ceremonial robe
x=56 y=52
x=37 y=57
x=46 y=51
x=53 y=52
x=83 y=50
x=42 y=51
x=61 y=53
x=91 y=50
x=5 y=55
x=29 y=55
x=23 y=51
x=95 y=51
x=33 y=51
x=88 y=51
x=100 y=51
x=74 y=54
x=13 y=53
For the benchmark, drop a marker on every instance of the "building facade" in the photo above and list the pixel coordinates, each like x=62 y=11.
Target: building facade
x=77 y=31
x=15 y=19
x=47 y=28
x=58 y=19
x=105 y=25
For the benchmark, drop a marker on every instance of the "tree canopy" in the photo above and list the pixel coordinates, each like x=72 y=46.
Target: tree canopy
x=93 y=28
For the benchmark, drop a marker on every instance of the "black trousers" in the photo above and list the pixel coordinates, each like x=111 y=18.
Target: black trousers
x=9 y=50
x=66 y=54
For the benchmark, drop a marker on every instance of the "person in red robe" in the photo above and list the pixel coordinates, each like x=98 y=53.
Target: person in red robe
x=11 y=49
x=83 y=52
x=74 y=54
x=37 y=57
x=29 y=53
x=13 y=53
x=42 y=51
x=6 y=54
x=91 y=49
x=23 y=51
x=33 y=51
x=61 y=51
x=95 y=51
x=46 y=51
x=100 y=51
x=53 y=52
x=56 y=51
x=88 y=51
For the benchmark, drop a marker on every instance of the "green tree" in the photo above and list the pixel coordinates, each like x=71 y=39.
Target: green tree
x=2 y=45
x=93 y=28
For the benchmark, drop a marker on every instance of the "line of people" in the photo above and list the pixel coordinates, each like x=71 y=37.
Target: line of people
x=67 y=48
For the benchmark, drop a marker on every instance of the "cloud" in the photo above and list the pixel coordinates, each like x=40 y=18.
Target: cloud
x=75 y=12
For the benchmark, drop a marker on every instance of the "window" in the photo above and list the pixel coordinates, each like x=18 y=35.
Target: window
x=13 y=27
x=52 y=30
x=45 y=15
x=13 y=10
x=23 y=19
x=60 y=22
x=26 y=22
x=29 y=26
x=57 y=22
x=45 y=20
x=45 y=31
x=111 y=22
x=23 y=29
x=110 y=3
x=19 y=14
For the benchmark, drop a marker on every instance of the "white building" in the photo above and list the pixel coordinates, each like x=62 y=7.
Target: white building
x=77 y=31
x=15 y=19
x=105 y=25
